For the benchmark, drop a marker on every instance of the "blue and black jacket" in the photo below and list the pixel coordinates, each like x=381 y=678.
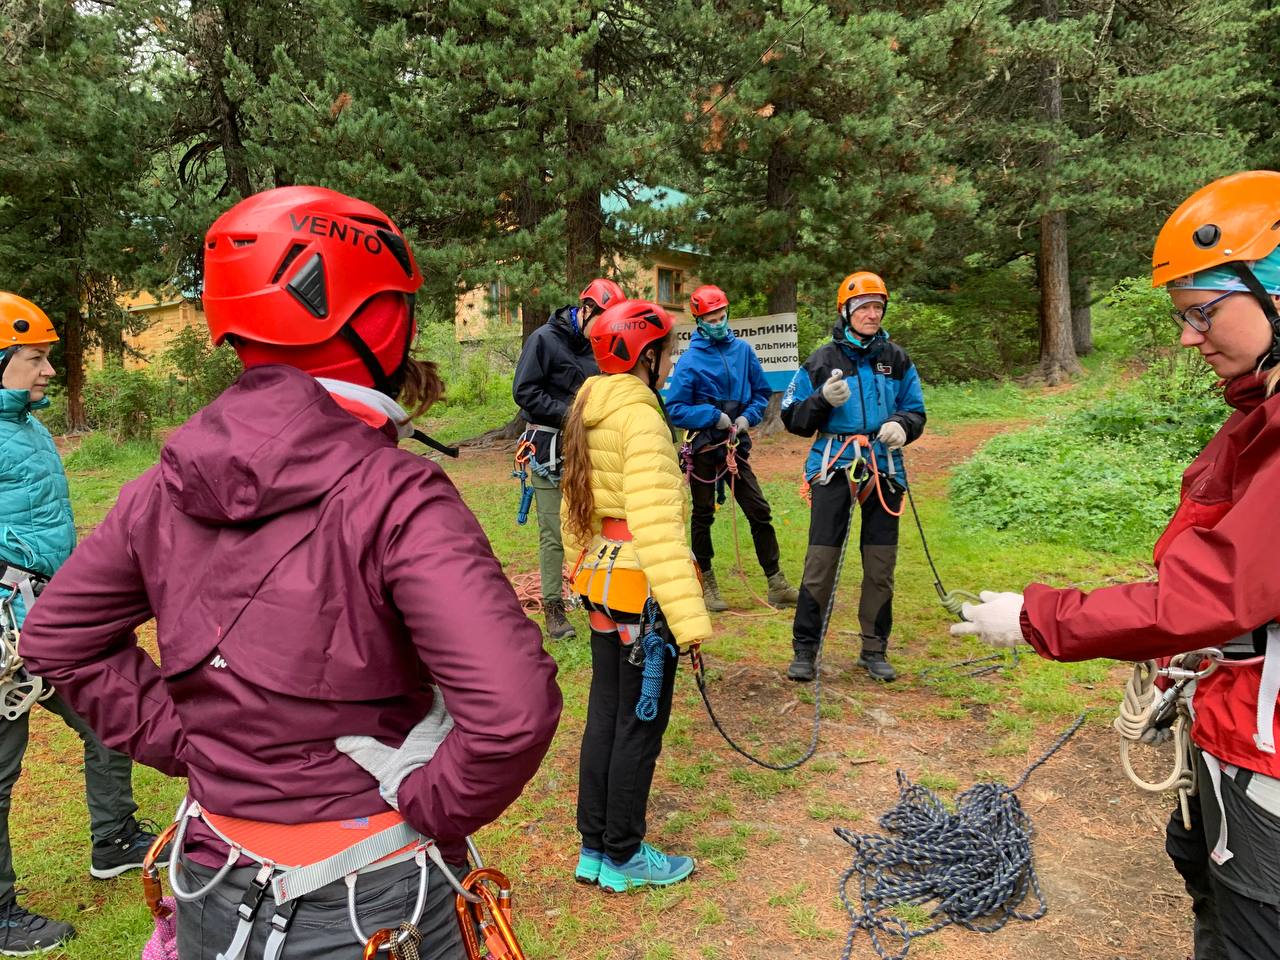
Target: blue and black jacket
x=713 y=377
x=883 y=386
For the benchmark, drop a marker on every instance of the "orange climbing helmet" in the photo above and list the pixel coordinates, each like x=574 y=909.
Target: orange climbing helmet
x=22 y=323
x=1233 y=219
x=860 y=284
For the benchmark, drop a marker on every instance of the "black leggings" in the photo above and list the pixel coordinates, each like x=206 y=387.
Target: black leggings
x=619 y=750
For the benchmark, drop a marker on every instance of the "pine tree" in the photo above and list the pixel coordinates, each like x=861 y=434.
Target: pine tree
x=76 y=120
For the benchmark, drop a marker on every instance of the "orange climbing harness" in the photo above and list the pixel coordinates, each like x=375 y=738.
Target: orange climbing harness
x=863 y=471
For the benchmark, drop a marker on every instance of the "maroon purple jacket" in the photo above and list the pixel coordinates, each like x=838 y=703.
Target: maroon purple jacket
x=308 y=581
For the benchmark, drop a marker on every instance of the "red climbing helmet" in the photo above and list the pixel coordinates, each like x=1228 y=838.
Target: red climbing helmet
x=295 y=267
x=707 y=299
x=602 y=292
x=620 y=334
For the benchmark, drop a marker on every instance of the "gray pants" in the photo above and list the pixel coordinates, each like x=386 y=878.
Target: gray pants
x=108 y=781
x=550 y=550
x=321 y=929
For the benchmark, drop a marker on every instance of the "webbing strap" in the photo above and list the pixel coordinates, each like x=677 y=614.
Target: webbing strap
x=281 y=921
x=1220 y=854
x=250 y=904
x=300 y=881
x=24 y=581
x=1268 y=690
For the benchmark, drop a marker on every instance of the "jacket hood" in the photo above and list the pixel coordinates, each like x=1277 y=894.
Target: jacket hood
x=562 y=321
x=16 y=404
x=273 y=441
x=610 y=394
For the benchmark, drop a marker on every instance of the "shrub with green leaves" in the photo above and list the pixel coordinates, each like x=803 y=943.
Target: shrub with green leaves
x=120 y=402
x=1106 y=477
x=197 y=373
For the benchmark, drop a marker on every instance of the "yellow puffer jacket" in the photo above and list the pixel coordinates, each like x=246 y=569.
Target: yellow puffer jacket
x=636 y=477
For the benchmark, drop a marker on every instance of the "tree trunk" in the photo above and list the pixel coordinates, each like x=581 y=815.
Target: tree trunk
x=210 y=42
x=584 y=220
x=1081 y=315
x=72 y=333
x=1057 y=347
x=530 y=210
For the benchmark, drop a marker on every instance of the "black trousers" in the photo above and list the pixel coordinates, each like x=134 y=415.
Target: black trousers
x=878 y=543
x=619 y=750
x=746 y=490
x=1236 y=904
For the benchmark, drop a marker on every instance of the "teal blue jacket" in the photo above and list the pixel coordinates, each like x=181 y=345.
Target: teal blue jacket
x=37 y=532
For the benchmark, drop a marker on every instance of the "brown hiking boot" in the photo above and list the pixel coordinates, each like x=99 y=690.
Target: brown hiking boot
x=711 y=593
x=781 y=593
x=558 y=625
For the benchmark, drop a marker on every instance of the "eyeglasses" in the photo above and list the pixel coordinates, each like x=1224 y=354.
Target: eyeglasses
x=1197 y=317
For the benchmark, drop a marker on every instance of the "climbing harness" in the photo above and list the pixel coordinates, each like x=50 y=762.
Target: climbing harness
x=296 y=860
x=526 y=464
x=726 y=476
x=1142 y=710
x=618 y=592
x=975 y=860
x=19 y=690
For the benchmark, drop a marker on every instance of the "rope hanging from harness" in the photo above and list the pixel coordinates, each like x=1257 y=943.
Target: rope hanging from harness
x=655 y=650
x=524 y=456
x=975 y=862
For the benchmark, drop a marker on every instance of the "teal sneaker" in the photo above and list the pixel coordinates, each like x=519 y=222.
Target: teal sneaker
x=588 y=870
x=650 y=867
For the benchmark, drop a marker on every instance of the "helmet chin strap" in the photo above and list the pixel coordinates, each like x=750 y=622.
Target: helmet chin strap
x=390 y=385
x=1271 y=356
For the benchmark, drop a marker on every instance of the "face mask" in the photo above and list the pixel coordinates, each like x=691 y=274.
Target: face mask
x=715 y=331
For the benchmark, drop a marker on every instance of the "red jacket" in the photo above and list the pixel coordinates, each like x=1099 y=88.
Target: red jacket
x=308 y=580
x=1218 y=579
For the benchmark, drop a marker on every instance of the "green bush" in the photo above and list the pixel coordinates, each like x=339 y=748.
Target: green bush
x=195 y=372
x=1106 y=476
x=120 y=402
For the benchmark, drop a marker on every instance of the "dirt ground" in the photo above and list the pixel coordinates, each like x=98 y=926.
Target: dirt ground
x=1098 y=843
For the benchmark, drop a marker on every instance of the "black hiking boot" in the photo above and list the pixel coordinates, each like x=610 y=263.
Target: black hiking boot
x=803 y=668
x=877 y=666
x=23 y=933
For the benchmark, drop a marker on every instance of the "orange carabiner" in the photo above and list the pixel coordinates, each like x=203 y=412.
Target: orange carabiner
x=490 y=919
x=375 y=942
x=152 y=891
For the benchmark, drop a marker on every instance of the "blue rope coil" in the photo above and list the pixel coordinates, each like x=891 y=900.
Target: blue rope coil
x=655 y=651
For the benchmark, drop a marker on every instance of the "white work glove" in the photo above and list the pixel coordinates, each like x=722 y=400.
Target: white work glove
x=835 y=391
x=724 y=423
x=390 y=765
x=892 y=435
x=996 y=620
x=740 y=425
